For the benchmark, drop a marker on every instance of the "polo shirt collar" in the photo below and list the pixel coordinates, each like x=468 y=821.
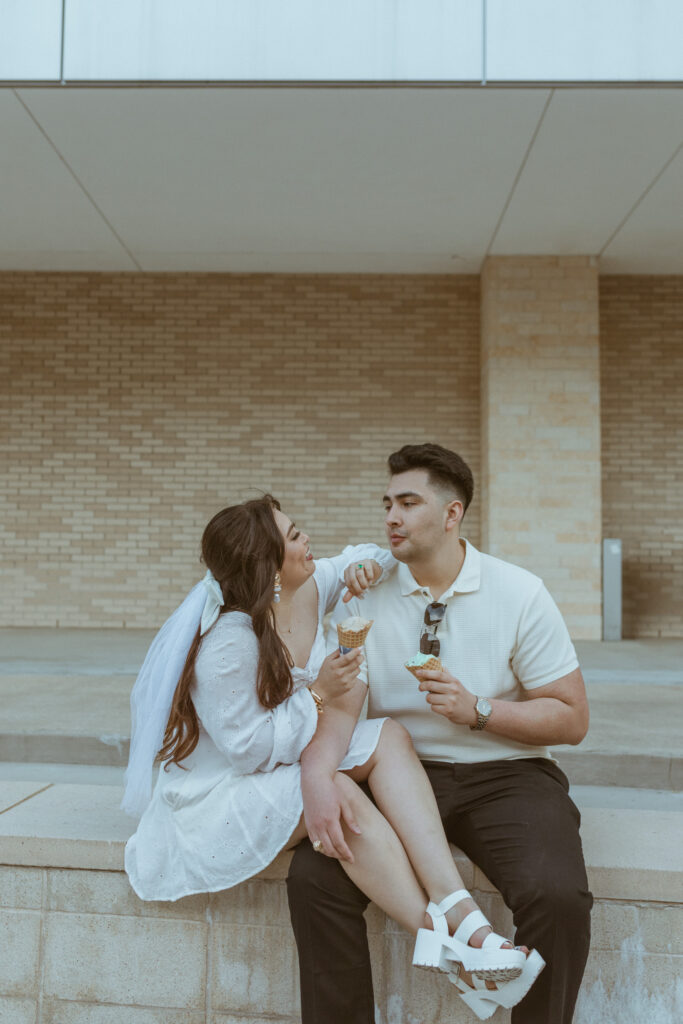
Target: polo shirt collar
x=467 y=580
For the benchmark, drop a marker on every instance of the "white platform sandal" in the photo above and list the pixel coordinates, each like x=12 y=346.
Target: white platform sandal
x=484 y=1002
x=437 y=950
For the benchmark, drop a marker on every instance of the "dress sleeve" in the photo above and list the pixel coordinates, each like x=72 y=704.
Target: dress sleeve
x=543 y=649
x=329 y=572
x=250 y=736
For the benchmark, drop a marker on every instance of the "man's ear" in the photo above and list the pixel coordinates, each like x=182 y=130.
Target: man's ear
x=454 y=514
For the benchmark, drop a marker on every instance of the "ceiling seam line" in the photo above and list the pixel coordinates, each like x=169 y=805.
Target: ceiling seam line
x=327 y=84
x=61 y=45
x=80 y=184
x=639 y=200
x=519 y=173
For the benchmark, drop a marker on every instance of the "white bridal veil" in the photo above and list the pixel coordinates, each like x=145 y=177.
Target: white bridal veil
x=152 y=695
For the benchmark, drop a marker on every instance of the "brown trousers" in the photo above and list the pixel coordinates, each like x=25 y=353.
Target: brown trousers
x=515 y=820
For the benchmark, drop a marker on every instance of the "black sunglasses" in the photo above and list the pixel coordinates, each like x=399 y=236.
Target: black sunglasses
x=429 y=641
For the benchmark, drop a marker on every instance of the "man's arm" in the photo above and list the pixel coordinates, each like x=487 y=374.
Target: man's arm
x=548 y=715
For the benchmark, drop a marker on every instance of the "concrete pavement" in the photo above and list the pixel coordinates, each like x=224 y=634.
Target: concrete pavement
x=65 y=693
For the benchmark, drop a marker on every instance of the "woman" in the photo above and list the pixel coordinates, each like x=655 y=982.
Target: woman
x=251 y=692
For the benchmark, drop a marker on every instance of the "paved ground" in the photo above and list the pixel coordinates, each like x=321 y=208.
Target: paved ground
x=64 y=695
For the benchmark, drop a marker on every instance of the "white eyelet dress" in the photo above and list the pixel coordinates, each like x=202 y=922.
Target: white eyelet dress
x=232 y=809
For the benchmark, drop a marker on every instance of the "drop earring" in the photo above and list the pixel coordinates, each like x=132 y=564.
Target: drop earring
x=277 y=588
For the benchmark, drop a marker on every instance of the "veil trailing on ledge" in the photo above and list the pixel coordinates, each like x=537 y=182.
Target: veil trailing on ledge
x=152 y=695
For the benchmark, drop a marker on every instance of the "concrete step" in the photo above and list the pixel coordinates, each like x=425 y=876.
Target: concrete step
x=633 y=740
x=631 y=853
x=65 y=700
x=626 y=798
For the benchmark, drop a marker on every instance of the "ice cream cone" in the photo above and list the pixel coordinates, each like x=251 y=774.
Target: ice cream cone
x=352 y=632
x=423 y=661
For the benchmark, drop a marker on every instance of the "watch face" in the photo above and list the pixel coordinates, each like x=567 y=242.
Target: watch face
x=483 y=706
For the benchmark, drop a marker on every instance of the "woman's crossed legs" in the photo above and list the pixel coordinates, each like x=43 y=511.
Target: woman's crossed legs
x=402 y=858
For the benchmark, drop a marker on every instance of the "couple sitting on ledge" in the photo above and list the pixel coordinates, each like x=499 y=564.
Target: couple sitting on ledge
x=257 y=730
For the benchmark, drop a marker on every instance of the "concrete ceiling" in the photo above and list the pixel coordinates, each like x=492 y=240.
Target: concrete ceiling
x=386 y=180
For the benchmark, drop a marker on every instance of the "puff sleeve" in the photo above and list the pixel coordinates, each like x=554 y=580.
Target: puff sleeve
x=252 y=738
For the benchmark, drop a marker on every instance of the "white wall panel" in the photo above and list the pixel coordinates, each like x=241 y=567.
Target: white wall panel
x=594 y=155
x=651 y=240
x=273 y=40
x=296 y=179
x=584 y=40
x=47 y=221
x=30 y=39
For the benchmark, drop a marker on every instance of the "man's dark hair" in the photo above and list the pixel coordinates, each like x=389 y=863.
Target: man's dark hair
x=445 y=468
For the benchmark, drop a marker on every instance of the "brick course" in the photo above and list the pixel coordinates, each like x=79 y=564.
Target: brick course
x=641 y=329
x=541 y=426
x=135 y=406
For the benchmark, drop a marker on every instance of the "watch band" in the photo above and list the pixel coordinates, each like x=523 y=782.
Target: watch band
x=482 y=720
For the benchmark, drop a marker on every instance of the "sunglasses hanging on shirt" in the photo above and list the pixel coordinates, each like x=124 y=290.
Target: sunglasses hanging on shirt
x=429 y=641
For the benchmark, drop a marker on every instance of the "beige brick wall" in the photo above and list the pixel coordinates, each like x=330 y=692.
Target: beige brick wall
x=641 y=327
x=541 y=426
x=134 y=406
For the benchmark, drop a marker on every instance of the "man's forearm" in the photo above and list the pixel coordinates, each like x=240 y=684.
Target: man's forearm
x=556 y=712
x=543 y=721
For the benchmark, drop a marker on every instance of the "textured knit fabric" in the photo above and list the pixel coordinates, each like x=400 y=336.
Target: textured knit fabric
x=227 y=814
x=502 y=634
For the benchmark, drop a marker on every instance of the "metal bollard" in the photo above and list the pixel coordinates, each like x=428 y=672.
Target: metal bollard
x=611 y=589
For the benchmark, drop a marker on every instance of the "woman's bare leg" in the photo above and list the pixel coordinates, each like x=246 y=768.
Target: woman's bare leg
x=380 y=866
x=402 y=792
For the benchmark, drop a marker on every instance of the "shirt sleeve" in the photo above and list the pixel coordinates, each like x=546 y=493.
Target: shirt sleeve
x=329 y=572
x=250 y=736
x=543 y=650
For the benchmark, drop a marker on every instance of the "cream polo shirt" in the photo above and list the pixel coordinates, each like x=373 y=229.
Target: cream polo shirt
x=502 y=633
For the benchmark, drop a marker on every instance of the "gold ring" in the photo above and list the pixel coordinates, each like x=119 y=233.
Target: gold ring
x=317 y=846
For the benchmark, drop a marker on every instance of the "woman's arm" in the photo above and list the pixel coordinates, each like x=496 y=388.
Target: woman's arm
x=324 y=805
x=329 y=572
x=251 y=737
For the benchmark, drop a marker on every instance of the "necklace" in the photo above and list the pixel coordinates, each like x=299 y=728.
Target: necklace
x=281 y=628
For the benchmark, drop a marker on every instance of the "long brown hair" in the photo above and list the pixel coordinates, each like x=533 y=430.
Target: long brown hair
x=243 y=548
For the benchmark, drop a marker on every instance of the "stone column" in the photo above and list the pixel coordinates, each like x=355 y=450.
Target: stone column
x=540 y=433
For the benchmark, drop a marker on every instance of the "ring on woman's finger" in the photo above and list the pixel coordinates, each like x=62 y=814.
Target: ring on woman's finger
x=317 y=846
x=360 y=566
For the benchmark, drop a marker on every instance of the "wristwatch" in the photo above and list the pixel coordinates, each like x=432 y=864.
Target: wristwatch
x=483 y=709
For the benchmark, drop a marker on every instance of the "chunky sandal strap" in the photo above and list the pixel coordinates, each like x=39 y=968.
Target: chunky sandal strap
x=449 y=902
x=469 y=925
x=439 y=922
x=459 y=983
x=494 y=940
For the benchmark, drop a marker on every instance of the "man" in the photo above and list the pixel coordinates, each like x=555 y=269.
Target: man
x=510 y=687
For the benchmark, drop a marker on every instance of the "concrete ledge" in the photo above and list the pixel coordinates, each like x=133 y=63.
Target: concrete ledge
x=638 y=771
x=84 y=948
x=59 y=748
x=582 y=765
x=630 y=854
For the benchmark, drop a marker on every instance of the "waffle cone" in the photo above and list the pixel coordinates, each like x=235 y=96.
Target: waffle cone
x=433 y=665
x=351 y=638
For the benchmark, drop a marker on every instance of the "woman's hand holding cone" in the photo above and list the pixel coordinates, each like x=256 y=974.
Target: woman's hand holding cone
x=338 y=674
